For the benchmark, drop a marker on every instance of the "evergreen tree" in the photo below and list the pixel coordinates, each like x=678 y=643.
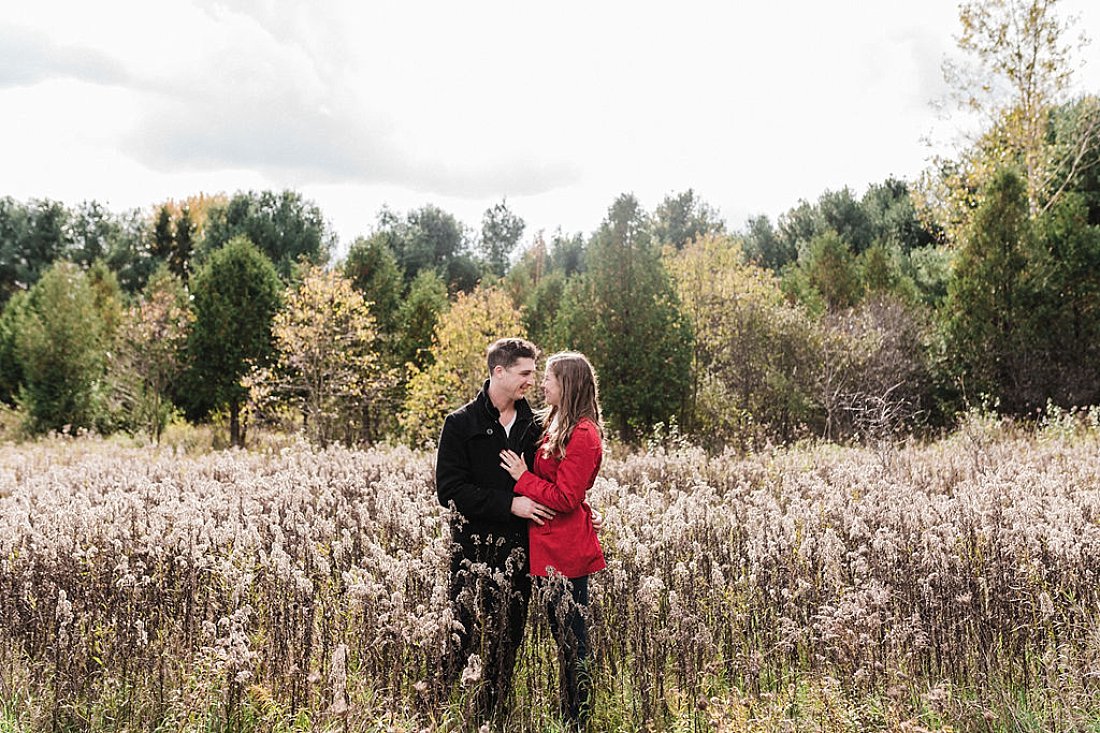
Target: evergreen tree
x=1063 y=318
x=986 y=297
x=372 y=268
x=236 y=293
x=765 y=248
x=682 y=218
x=11 y=369
x=60 y=347
x=32 y=237
x=162 y=237
x=179 y=260
x=284 y=226
x=417 y=317
x=624 y=314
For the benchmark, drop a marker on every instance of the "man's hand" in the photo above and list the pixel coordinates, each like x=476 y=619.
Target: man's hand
x=531 y=509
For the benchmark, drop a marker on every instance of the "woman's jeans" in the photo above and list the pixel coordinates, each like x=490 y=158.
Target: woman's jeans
x=567 y=611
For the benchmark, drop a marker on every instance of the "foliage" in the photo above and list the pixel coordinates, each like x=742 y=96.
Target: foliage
x=536 y=286
x=624 y=314
x=173 y=238
x=893 y=217
x=327 y=364
x=985 y=310
x=929 y=269
x=183 y=244
x=128 y=254
x=682 y=218
x=235 y=295
x=283 y=226
x=568 y=253
x=149 y=352
x=372 y=268
x=162 y=239
x=1075 y=154
x=93 y=231
x=11 y=369
x=500 y=233
x=418 y=315
x=826 y=275
x=429 y=238
x=107 y=296
x=1025 y=63
x=458 y=366
x=753 y=352
x=885 y=217
x=1062 y=318
x=541 y=309
x=60 y=346
x=32 y=237
x=764 y=247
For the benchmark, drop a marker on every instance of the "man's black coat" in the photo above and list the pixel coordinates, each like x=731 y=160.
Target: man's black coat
x=468 y=474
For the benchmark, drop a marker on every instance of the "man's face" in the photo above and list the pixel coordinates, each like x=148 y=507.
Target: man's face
x=515 y=380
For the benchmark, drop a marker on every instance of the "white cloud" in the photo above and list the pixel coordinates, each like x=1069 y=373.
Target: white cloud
x=28 y=57
x=558 y=107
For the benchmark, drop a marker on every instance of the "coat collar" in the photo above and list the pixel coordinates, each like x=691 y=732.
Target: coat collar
x=523 y=409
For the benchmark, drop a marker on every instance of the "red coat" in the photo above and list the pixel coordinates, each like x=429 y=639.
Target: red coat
x=567 y=543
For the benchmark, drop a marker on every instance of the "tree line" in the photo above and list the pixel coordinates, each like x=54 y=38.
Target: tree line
x=867 y=314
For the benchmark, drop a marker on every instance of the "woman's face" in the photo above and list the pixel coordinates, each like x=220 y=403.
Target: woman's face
x=551 y=389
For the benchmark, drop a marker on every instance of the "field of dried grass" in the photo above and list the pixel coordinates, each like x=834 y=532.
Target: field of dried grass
x=941 y=586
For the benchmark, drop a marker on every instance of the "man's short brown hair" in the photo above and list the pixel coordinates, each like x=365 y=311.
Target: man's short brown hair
x=506 y=352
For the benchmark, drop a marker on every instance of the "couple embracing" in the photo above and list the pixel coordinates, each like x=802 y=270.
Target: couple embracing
x=518 y=482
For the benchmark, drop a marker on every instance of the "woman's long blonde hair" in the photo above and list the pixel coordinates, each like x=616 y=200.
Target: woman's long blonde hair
x=580 y=398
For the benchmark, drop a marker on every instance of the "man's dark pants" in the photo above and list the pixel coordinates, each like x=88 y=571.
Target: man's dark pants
x=490 y=600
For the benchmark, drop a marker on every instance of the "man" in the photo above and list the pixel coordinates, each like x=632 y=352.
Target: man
x=490 y=585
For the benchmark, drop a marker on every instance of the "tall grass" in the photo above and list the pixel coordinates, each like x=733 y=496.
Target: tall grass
x=954 y=582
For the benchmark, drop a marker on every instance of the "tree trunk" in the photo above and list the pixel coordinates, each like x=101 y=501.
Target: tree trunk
x=235 y=438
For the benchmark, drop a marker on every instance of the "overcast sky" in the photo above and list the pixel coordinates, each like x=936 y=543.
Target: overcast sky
x=559 y=106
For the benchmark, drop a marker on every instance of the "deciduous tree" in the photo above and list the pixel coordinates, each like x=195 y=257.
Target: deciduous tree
x=500 y=233
x=458 y=367
x=752 y=376
x=1022 y=60
x=327 y=362
x=149 y=353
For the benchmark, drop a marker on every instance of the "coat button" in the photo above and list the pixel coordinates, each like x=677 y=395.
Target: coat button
x=489 y=431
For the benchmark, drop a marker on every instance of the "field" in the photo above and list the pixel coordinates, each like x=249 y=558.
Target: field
x=942 y=586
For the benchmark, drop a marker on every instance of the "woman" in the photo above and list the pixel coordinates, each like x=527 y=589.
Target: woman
x=565 y=468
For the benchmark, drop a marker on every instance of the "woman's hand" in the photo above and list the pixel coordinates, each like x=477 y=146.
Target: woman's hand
x=513 y=463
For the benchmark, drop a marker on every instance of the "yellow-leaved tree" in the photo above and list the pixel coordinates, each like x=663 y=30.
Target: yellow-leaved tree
x=752 y=349
x=458 y=346
x=327 y=363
